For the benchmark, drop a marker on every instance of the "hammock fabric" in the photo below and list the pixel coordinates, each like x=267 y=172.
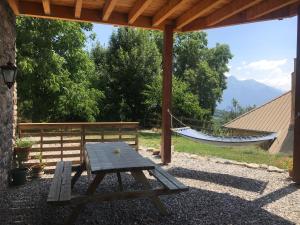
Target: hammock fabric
x=224 y=141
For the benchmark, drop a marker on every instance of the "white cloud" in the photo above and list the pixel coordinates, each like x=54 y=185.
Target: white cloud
x=266 y=64
x=275 y=73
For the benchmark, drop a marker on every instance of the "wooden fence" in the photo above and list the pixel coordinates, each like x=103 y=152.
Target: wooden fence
x=65 y=141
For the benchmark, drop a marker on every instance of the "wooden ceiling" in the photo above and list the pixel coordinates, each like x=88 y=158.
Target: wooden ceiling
x=184 y=15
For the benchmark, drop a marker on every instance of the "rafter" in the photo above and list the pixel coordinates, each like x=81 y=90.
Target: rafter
x=241 y=18
x=267 y=7
x=14 y=5
x=108 y=8
x=46 y=6
x=78 y=7
x=137 y=10
x=230 y=10
x=198 y=10
x=166 y=11
x=34 y=9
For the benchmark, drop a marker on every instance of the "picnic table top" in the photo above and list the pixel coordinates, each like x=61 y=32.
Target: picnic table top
x=115 y=157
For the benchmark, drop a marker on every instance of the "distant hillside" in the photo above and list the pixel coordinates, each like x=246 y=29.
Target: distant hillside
x=247 y=92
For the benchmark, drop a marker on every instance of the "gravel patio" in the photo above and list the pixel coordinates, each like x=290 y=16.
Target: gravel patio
x=219 y=194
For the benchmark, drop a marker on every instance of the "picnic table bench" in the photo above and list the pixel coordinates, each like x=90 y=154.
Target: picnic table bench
x=104 y=158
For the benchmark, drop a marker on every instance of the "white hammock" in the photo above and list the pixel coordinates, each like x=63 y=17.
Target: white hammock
x=224 y=141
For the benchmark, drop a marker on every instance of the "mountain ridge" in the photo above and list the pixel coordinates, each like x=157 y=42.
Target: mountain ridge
x=247 y=93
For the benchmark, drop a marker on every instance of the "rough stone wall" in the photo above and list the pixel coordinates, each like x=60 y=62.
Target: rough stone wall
x=7 y=97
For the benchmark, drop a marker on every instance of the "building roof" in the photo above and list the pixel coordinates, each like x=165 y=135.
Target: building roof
x=183 y=15
x=273 y=116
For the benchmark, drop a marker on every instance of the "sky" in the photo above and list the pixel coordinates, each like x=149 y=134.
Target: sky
x=262 y=51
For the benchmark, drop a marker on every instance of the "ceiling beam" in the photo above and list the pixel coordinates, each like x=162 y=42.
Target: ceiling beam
x=267 y=7
x=139 y=7
x=166 y=11
x=198 y=10
x=229 y=10
x=46 y=6
x=241 y=18
x=78 y=7
x=108 y=8
x=14 y=5
x=35 y=9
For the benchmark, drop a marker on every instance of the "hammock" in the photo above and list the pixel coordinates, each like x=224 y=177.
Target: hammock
x=224 y=141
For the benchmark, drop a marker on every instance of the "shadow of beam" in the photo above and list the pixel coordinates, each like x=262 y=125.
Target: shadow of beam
x=242 y=183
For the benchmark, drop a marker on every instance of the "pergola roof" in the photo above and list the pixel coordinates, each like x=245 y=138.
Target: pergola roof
x=184 y=15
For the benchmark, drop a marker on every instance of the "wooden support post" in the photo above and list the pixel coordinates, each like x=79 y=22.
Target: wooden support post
x=296 y=153
x=167 y=94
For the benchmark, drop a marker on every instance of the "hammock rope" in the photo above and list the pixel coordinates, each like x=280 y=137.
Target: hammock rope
x=198 y=136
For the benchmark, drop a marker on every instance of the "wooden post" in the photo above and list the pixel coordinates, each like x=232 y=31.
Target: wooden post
x=167 y=94
x=296 y=153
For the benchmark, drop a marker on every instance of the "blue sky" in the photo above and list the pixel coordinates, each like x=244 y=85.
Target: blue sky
x=262 y=51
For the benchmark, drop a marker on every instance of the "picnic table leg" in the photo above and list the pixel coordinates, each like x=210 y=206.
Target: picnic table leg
x=140 y=177
x=80 y=207
x=78 y=173
x=120 y=181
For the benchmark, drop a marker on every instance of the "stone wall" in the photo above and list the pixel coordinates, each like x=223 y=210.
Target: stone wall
x=7 y=96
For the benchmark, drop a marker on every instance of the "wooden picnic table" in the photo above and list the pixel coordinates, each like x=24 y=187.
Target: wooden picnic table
x=104 y=158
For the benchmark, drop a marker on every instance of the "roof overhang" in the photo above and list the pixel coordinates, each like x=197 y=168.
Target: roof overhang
x=184 y=15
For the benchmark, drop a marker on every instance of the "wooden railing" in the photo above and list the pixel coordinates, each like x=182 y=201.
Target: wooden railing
x=65 y=141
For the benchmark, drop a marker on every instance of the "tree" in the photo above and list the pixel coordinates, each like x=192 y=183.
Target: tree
x=201 y=67
x=184 y=102
x=56 y=75
x=133 y=62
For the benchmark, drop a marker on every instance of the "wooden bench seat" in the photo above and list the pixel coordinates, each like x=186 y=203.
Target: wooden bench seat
x=60 y=190
x=170 y=182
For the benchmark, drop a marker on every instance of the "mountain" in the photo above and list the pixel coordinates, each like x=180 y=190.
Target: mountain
x=247 y=92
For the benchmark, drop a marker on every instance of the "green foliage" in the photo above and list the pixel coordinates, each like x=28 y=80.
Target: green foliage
x=24 y=143
x=133 y=62
x=56 y=74
x=184 y=102
x=201 y=67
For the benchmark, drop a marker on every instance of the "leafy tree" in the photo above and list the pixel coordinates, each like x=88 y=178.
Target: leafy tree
x=56 y=75
x=184 y=102
x=201 y=67
x=133 y=62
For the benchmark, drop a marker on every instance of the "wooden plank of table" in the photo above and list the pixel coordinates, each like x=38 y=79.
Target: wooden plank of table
x=103 y=157
x=54 y=192
x=65 y=190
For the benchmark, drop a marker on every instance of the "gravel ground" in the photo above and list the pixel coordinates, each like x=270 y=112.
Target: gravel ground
x=218 y=194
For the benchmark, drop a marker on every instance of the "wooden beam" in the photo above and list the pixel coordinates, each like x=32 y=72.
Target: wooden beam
x=46 y=6
x=35 y=9
x=267 y=7
x=14 y=5
x=108 y=8
x=229 y=10
x=241 y=19
x=137 y=10
x=167 y=94
x=166 y=11
x=296 y=150
x=198 y=10
x=78 y=7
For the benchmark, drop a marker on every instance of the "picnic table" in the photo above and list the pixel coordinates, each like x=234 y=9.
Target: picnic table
x=105 y=158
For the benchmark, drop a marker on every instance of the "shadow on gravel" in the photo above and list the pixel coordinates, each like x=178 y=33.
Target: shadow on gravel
x=276 y=195
x=242 y=183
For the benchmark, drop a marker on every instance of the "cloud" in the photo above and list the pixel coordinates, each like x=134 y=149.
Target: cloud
x=266 y=64
x=275 y=73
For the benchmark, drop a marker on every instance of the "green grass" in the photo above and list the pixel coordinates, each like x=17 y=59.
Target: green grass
x=242 y=154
